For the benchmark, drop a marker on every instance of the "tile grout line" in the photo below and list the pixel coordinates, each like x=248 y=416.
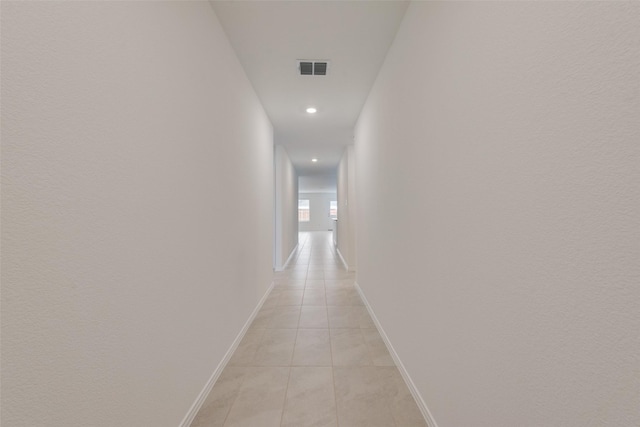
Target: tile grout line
x=335 y=393
x=286 y=391
x=235 y=398
x=295 y=343
x=333 y=371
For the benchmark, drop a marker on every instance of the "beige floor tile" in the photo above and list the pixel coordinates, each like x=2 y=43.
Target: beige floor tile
x=338 y=282
x=271 y=301
x=344 y=316
x=361 y=397
x=263 y=318
x=290 y=284
x=314 y=297
x=348 y=348
x=246 y=351
x=356 y=300
x=216 y=406
x=403 y=407
x=291 y=297
x=365 y=320
x=337 y=275
x=310 y=400
x=285 y=317
x=280 y=277
x=313 y=348
x=261 y=398
x=377 y=349
x=297 y=274
x=313 y=317
x=351 y=292
x=314 y=284
x=336 y=296
x=276 y=348
x=289 y=352
x=342 y=296
x=315 y=275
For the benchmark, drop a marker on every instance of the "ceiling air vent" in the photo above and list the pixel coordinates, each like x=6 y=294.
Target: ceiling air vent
x=319 y=68
x=306 y=68
x=313 y=68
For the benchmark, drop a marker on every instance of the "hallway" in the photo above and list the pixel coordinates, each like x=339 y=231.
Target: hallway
x=480 y=158
x=312 y=356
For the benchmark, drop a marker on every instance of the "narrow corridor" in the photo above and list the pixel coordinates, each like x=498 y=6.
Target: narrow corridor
x=312 y=356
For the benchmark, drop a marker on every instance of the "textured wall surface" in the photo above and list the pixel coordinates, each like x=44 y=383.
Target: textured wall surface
x=286 y=198
x=137 y=221
x=498 y=172
x=347 y=207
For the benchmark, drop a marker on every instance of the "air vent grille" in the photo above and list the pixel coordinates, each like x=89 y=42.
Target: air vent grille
x=313 y=68
x=306 y=68
x=319 y=68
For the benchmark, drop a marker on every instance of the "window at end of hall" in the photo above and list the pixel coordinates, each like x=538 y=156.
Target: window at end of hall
x=333 y=209
x=303 y=210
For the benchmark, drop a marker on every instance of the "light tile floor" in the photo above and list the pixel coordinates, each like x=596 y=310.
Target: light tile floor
x=312 y=357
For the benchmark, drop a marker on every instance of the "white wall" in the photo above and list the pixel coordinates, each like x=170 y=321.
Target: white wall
x=347 y=208
x=286 y=229
x=137 y=174
x=498 y=237
x=319 y=219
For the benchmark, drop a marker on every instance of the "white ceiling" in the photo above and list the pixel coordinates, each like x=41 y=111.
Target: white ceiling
x=270 y=36
x=318 y=184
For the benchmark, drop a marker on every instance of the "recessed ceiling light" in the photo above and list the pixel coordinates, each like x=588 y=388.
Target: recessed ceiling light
x=311 y=110
x=314 y=160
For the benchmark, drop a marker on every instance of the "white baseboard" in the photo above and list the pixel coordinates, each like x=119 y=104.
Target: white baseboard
x=431 y=422
x=342 y=259
x=293 y=252
x=193 y=411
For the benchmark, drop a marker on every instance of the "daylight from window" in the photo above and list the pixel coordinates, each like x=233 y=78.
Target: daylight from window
x=303 y=210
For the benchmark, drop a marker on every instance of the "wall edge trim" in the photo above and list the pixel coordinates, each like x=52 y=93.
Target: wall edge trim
x=202 y=396
x=428 y=417
x=293 y=251
x=342 y=259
